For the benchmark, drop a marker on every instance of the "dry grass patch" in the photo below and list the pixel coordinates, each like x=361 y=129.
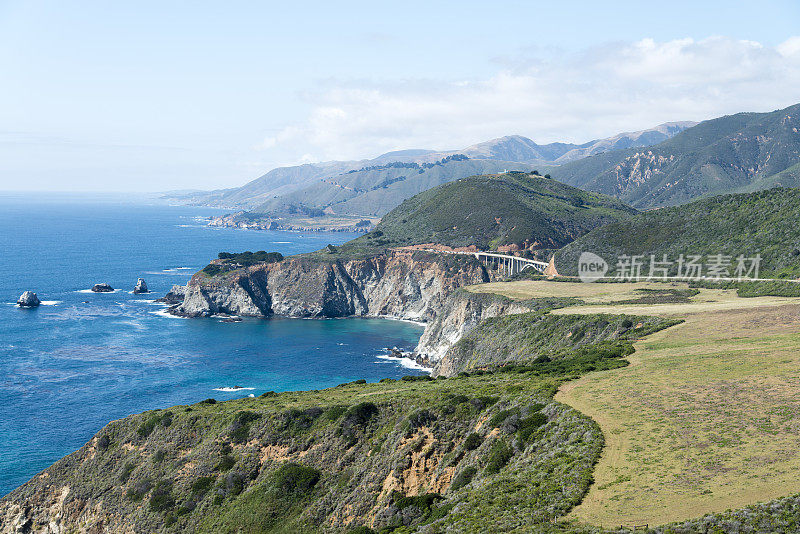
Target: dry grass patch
x=706 y=418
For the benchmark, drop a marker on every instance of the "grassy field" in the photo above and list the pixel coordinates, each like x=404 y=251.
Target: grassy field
x=706 y=417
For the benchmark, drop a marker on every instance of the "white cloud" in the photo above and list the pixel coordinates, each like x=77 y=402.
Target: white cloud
x=598 y=92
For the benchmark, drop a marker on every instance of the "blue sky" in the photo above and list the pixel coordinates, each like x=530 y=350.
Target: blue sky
x=170 y=95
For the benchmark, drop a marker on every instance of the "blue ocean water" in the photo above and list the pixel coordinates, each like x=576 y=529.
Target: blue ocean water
x=83 y=359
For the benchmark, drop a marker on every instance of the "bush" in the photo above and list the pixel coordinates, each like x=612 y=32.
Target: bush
x=225 y=463
x=103 y=442
x=149 y=424
x=239 y=430
x=208 y=401
x=139 y=489
x=423 y=502
x=473 y=441
x=530 y=424
x=500 y=417
x=499 y=455
x=233 y=484
x=420 y=418
x=299 y=420
x=126 y=472
x=202 y=485
x=296 y=479
x=335 y=412
x=360 y=414
x=463 y=478
x=248 y=258
x=268 y=394
x=161 y=500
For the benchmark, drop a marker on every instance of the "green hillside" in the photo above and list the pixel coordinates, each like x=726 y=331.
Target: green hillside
x=763 y=222
x=742 y=152
x=489 y=211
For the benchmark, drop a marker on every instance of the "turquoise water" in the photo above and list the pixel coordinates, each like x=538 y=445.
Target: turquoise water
x=69 y=367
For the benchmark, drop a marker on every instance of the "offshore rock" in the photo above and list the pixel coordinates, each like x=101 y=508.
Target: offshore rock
x=28 y=300
x=102 y=288
x=141 y=287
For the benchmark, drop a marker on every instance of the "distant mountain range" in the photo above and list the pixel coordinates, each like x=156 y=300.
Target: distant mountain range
x=321 y=185
x=736 y=153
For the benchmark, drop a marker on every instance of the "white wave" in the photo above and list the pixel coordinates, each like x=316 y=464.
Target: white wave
x=408 y=363
x=231 y=390
x=144 y=301
x=393 y=318
x=252 y=396
x=50 y=302
x=98 y=292
x=165 y=313
x=281 y=242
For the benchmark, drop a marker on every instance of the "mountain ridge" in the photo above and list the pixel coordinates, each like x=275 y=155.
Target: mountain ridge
x=513 y=149
x=740 y=152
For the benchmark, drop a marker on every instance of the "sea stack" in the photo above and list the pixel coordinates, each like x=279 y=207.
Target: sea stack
x=141 y=287
x=102 y=288
x=28 y=300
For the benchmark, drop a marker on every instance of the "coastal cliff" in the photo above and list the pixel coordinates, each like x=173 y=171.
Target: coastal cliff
x=461 y=313
x=401 y=284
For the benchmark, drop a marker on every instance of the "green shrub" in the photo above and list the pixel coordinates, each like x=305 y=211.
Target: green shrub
x=463 y=478
x=239 y=430
x=423 y=502
x=295 y=479
x=500 y=417
x=126 y=472
x=420 y=418
x=473 y=441
x=361 y=530
x=268 y=394
x=248 y=258
x=499 y=455
x=202 y=485
x=300 y=420
x=139 y=489
x=529 y=425
x=360 y=414
x=149 y=424
x=161 y=500
x=208 y=401
x=103 y=442
x=225 y=463
x=335 y=412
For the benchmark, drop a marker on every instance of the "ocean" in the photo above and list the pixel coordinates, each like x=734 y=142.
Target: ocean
x=83 y=359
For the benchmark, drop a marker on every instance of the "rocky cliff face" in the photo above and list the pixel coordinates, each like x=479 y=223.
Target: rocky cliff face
x=461 y=312
x=403 y=284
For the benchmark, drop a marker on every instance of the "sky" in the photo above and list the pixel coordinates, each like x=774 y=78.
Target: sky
x=156 y=96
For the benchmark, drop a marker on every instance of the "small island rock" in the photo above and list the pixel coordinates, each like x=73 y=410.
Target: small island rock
x=102 y=288
x=141 y=287
x=28 y=300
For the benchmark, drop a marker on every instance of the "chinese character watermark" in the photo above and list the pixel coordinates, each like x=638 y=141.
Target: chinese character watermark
x=686 y=267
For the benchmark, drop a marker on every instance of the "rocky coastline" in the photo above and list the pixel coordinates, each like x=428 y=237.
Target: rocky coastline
x=401 y=284
x=287 y=225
